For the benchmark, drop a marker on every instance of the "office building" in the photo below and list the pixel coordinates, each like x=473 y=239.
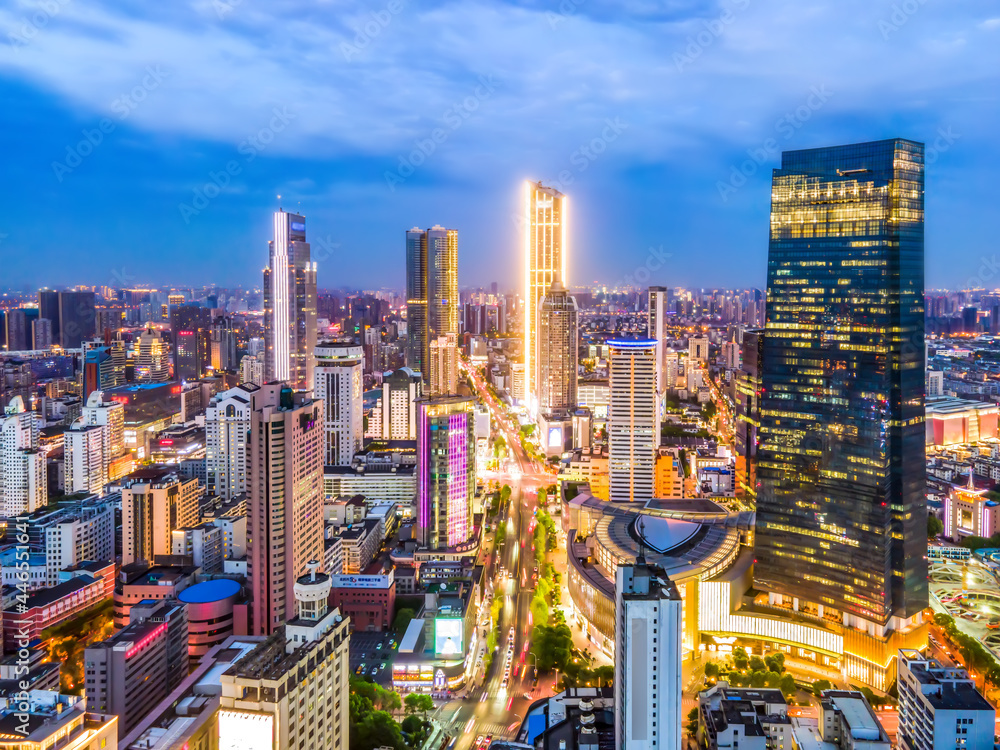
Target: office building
x=657 y=330
x=155 y=502
x=103 y=365
x=152 y=362
x=73 y=534
x=369 y=601
x=73 y=316
x=545 y=256
x=747 y=414
x=41 y=334
x=222 y=345
x=189 y=325
x=431 y=292
x=23 y=477
x=289 y=304
x=558 y=327
x=394 y=416
x=939 y=707
x=85 y=467
x=291 y=692
x=443 y=379
x=648 y=612
x=935 y=383
x=633 y=419
x=446 y=470
x=338 y=372
x=847 y=721
x=285 y=498
x=39 y=719
x=138 y=666
x=841 y=516
x=227 y=426
x=17 y=329
x=252 y=370
x=698 y=351
x=109 y=414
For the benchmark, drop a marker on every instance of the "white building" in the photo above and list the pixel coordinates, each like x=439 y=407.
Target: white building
x=86 y=469
x=79 y=534
x=252 y=370
x=698 y=350
x=648 y=610
x=394 y=416
x=940 y=708
x=657 y=323
x=443 y=366
x=23 y=482
x=935 y=383
x=633 y=420
x=339 y=385
x=227 y=422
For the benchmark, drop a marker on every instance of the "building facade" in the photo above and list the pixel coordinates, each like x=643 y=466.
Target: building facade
x=558 y=326
x=431 y=292
x=338 y=383
x=156 y=502
x=23 y=478
x=227 y=428
x=443 y=379
x=633 y=419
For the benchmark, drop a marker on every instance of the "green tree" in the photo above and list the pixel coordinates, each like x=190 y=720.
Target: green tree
x=757 y=664
x=692 y=722
x=740 y=658
x=418 y=703
x=934 y=526
x=787 y=685
x=402 y=620
x=820 y=685
x=711 y=669
x=758 y=679
x=772 y=680
x=378 y=729
x=775 y=662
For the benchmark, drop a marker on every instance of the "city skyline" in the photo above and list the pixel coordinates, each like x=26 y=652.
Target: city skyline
x=133 y=183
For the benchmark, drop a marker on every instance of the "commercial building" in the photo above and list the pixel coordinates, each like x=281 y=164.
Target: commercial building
x=155 y=502
x=303 y=664
x=338 y=376
x=190 y=325
x=23 y=477
x=215 y=611
x=43 y=719
x=152 y=361
x=227 y=424
x=73 y=534
x=956 y=421
x=431 y=292
x=394 y=416
x=368 y=600
x=361 y=542
x=137 y=667
x=749 y=719
x=285 y=498
x=747 y=414
x=846 y=236
x=138 y=583
x=633 y=419
x=849 y=723
x=939 y=707
x=48 y=607
x=656 y=328
x=546 y=254
x=289 y=304
x=73 y=315
x=968 y=512
x=103 y=365
x=446 y=471
x=83 y=449
x=698 y=351
x=558 y=326
x=443 y=358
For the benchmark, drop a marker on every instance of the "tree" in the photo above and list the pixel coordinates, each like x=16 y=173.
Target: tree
x=934 y=526
x=758 y=679
x=787 y=685
x=692 y=722
x=772 y=680
x=757 y=664
x=740 y=658
x=711 y=669
x=775 y=662
x=378 y=729
x=820 y=685
x=418 y=703
x=402 y=620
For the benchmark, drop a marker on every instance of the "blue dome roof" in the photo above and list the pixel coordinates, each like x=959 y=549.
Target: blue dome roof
x=209 y=591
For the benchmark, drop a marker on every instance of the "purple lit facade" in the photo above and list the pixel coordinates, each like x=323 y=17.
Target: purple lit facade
x=446 y=471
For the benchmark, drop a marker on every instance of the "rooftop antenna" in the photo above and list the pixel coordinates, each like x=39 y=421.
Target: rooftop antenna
x=279 y=201
x=641 y=559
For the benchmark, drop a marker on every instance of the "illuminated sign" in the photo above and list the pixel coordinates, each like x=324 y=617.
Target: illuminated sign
x=555 y=437
x=166 y=441
x=298 y=226
x=448 y=636
x=361 y=582
x=241 y=730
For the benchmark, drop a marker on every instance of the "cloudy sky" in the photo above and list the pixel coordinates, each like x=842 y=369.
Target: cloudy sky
x=149 y=141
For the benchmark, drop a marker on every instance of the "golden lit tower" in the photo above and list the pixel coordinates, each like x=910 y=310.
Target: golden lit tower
x=545 y=222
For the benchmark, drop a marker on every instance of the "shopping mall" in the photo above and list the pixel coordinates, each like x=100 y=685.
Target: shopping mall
x=707 y=550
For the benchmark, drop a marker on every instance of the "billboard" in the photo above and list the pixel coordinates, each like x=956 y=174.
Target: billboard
x=241 y=730
x=555 y=437
x=449 y=639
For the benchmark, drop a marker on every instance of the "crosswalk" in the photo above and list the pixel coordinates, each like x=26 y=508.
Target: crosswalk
x=496 y=729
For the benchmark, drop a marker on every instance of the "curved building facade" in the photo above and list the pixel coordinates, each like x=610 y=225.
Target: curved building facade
x=211 y=609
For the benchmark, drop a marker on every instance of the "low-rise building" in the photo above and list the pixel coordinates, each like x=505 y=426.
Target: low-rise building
x=139 y=582
x=849 y=722
x=361 y=543
x=369 y=600
x=45 y=719
x=49 y=607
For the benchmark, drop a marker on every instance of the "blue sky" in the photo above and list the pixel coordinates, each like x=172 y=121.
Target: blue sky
x=371 y=118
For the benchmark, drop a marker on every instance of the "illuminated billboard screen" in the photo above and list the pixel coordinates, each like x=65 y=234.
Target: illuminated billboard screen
x=240 y=730
x=448 y=637
x=555 y=437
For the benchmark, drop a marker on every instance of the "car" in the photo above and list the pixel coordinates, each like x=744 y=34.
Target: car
x=374 y=671
x=360 y=669
x=382 y=666
x=379 y=647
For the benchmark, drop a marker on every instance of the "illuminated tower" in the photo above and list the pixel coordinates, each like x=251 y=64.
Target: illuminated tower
x=545 y=253
x=557 y=350
x=633 y=419
x=446 y=470
x=152 y=364
x=431 y=292
x=841 y=514
x=290 y=304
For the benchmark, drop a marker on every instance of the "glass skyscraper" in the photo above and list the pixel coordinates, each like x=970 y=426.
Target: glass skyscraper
x=431 y=292
x=841 y=514
x=446 y=470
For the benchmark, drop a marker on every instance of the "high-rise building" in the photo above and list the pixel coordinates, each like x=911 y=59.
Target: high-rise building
x=443 y=360
x=227 y=435
x=48 y=309
x=77 y=318
x=338 y=373
x=110 y=414
x=152 y=363
x=657 y=330
x=291 y=692
x=557 y=349
x=103 y=365
x=222 y=345
x=155 y=502
x=85 y=467
x=252 y=370
x=841 y=515
x=545 y=256
x=189 y=325
x=431 y=292
x=41 y=334
x=697 y=351
x=446 y=470
x=747 y=416
x=633 y=419
x=290 y=304
x=394 y=416
x=671 y=369
x=23 y=478
x=18 y=330
x=648 y=631
x=285 y=498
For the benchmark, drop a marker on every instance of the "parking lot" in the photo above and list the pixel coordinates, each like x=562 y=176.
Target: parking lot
x=364 y=649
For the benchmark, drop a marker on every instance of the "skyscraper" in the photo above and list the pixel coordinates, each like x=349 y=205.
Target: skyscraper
x=633 y=419
x=23 y=479
x=227 y=430
x=443 y=366
x=841 y=515
x=545 y=251
x=431 y=292
x=394 y=417
x=41 y=334
x=152 y=364
x=189 y=325
x=155 y=502
x=86 y=469
x=290 y=304
x=648 y=612
x=557 y=349
x=285 y=503
x=18 y=330
x=446 y=470
x=747 y=417
x=657 y=315
x=339 y=385
x=77 y=318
